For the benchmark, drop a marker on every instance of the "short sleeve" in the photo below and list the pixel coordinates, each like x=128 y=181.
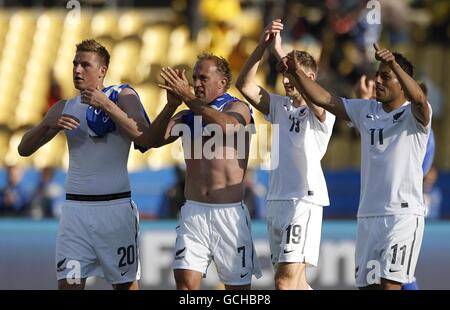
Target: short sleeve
x=422 y=128
x=325 y=126
x=275 y=104
x=354 y=107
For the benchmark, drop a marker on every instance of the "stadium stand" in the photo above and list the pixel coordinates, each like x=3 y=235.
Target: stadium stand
x=37 y=43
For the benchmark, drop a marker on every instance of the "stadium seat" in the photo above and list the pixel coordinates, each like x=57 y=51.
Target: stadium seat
x=131 y=23
x=181 y=50
x=105 y=23
x=249 y=23
x=12 y=157
x=155 y=45
x=4 y=25
x=137 y=160
x=10 y=95
x=124 y=61
x=151 y=97
x=72 y=34
x=338 y=153
x=17 y=45
x=223 y=40
x=49 y=155
x=204 y=39
x=4 y=143
x=160 y=158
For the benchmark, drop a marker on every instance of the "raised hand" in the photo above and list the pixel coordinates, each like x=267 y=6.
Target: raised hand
x=365 y=89
x=94 y=97
x=64 y=121
x=171 y=98
x=177 y=85
x=270 y=32
x=384 y=55
x=276 y=43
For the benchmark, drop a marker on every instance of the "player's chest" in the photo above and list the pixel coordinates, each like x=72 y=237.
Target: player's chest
x=380 y=131
x=294 y=120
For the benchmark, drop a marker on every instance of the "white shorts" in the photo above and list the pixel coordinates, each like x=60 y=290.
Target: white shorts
x=387 y=247
x=98 y=239
x=294 y=228
x=219 y=233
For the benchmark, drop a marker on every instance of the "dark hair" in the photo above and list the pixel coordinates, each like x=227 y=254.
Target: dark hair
x=406 y=65
x=91 y=45
x=306 y=60
x=222 y=65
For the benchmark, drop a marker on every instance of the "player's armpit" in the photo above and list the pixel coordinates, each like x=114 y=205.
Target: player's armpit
x=257 y=96
x=239 y=108
x=336 y=106
x=238 y=117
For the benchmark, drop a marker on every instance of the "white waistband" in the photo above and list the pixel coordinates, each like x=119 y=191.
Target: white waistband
x=214 y=205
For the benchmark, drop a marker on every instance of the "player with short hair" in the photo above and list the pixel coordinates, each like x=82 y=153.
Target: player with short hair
x=99 y=224
x=297 y=189
x=394 y=131
x=214 y=222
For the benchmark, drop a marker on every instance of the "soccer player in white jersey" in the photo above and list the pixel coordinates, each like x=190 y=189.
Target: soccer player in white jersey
x=214 y=224
x=394 y=132
x=297 y=189
x=99 y=222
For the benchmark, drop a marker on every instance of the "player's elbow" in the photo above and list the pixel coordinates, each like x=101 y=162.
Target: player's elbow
x=145 y=142
x=421 y=100
x=240 y=85
x=243 y=85
x=326 y=99
x=23 y=151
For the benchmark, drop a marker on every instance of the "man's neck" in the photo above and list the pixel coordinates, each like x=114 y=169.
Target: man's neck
x=394 y=104
x=100 y=87
x=214 y=100
x=298 y=101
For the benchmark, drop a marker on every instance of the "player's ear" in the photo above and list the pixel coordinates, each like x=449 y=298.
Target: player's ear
x=223 y=83
x=312 y=75
x=103 y=70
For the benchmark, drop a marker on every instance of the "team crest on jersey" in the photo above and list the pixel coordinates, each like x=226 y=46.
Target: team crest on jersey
x=396 y=117
x=302 y=112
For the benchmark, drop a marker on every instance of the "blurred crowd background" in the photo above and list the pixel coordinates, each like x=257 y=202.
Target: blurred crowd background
x=37 y=45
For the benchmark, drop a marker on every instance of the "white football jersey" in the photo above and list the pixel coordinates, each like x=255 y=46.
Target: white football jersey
x=296 y=153
x=97 y=166
x=393 y=146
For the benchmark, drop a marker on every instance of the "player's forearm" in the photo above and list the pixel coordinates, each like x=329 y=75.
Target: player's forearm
x=157 y=134
x=134 y=130
x=318 y=112
x=246 y=82
x=278 y=52
x=35 y=138
x=247 y=77
x=413 y=92
x=312 y=90
x=212 y=116
x=319 y=96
